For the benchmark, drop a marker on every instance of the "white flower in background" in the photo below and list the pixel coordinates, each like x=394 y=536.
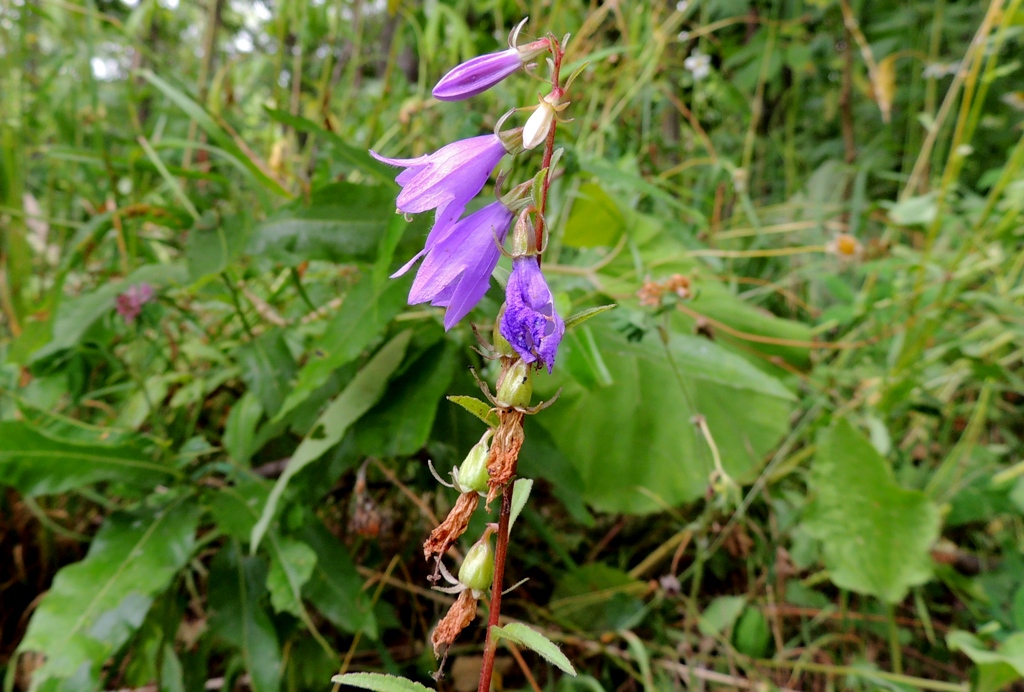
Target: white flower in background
x=682 y=5
x=684 y=36
x=698 y=64
x=937 y=70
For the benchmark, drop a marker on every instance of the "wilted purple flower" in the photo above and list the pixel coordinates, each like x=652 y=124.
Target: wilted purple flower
x=530 y=323
x=457 y=269
x=446 y=180
x=477 y=75
x=129 y=303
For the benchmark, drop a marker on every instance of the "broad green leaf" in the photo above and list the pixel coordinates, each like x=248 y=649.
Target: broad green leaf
x=856 y=506
x=335 y=587
x=267 y=368
x=291 y=567
x=541 y=458
x=379 y=682
x=362 y=319
x=37 y=464
x=520 y=634
x=751 y=634
x=996 y=669
x=357 y=398
x=236 y=589
x=400 y=423
x=342 y=223
x=595 y=219
x=721 y=614
x=478 y=408
x=209 y=250
x=95 y=605
x=634 y=443
x=520 y=495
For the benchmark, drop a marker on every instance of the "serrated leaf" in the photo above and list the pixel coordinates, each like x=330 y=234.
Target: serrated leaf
x=584 y=315
x=478 y=408
x=520 y=634
x=357 y=398
x=856 y=505
x=37 y=464
x=95 y=605
x=379 y=682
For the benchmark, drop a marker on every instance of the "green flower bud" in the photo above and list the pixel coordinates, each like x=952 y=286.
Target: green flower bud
x=501 y=344
x=477 y=570
x=516 y=386
x=473 y=472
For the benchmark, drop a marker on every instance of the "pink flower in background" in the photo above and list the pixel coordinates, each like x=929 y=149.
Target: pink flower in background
x=129 y=303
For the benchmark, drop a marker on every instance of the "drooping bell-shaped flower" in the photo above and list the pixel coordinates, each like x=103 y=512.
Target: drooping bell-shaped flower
x=530 y=322
x=479 y=74
x=446 y=180
x=458 y=264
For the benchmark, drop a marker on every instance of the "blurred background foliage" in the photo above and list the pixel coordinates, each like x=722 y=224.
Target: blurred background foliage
x=791 y=456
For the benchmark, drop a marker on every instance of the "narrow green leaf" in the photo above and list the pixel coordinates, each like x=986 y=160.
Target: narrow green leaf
x=95 y=605
x=520 y=634
x=358 y=397
x=379 y=682
x=213 y=129
x=37 y=464
x=520 y=494
x=584 y=315
x=267 y=369
x=478 y=408
x=335 y=587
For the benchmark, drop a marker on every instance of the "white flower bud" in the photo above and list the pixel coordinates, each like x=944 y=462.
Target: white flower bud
x=537 y=127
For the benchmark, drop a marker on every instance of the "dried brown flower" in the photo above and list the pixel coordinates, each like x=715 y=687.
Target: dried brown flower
x=453 y=526
x=457 y=619
x=508 y=440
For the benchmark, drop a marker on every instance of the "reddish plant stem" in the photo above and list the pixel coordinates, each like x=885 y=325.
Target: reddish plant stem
x=500 y=551
x=504 y=514
x=549 y=145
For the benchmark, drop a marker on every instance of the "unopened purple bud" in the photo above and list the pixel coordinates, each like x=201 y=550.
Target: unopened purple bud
x=477 y=75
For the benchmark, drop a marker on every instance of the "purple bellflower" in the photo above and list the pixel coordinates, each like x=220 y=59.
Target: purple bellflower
x=458 y=266
x=446 y=180
x=530 y=323
x=477 y=75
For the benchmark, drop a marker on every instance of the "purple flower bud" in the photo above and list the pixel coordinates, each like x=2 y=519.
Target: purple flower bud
x=458 y=265
x=477 y=75
x=446 y=180
x=530 y=322
x=129 y=303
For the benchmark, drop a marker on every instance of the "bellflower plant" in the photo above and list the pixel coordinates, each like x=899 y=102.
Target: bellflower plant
x=459 y=256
